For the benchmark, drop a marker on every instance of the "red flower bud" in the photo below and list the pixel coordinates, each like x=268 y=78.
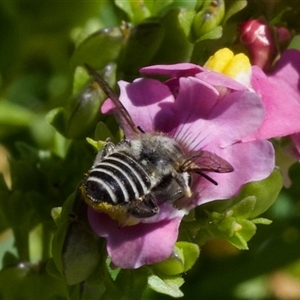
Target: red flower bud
x=259 y=41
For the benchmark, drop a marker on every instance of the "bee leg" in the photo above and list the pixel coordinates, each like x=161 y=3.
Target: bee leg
x=143 y=208
x=184 y=181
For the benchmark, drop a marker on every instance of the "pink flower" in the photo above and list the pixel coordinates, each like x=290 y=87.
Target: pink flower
x=279 y=91
x=286 y=77
x=201 y=109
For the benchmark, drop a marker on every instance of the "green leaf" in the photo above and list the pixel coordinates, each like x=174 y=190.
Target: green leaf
x=157 y=6
x=208 y=18
x=28 y=281
x=56 y=118
x=81 y=77
x=265 y=191
x=191 y=253
x=82 y=112
x=87 y=291
x=79 y=252
x=160 y=8
x=4 y=210
x=173 y=265
x=247 y=231
x=132 y=283
x=102 y=132
x=56 y=214
x=143 y=42
x=244 y=208
x=183 y=258
x=262 y=221
x=75 y=247
x=52 y=269
x=24 y=176
x=137 y=11
x=232 y=223
x=186 y=20
x=10 y=281
x=262 y=194
x=175 y=46
x=14 y=115
x=226 y=224
x=9 y=259
x=98 y=145
x=214 y=34
x=234 y=7
x=238 y=231
x=100 y=48
x=238 y=241
x=167 y=285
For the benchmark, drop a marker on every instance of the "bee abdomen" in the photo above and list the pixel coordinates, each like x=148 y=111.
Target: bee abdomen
x=117 y=179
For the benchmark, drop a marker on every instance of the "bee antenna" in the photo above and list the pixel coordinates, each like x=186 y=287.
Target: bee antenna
x=113 y=97
x=140 y=129
x=207 y=177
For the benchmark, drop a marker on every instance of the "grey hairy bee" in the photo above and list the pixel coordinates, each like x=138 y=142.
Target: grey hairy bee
x=130 y=176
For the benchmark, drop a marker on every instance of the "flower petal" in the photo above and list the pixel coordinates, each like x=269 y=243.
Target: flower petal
x=222 y=122
x=149 y=103
x=288 y=68
x=134 y=246
x=175 y=70
x=281 y=103
x=252 y=161
x=188 y=69
x=220 y=80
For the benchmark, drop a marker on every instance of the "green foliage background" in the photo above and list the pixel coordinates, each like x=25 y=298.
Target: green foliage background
x=42 y=44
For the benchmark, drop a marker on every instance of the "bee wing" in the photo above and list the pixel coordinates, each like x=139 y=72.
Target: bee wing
x=123 y=115
x=205 y=161
x=210 y=162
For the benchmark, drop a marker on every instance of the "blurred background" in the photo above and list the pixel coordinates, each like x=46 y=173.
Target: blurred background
x=38 y=55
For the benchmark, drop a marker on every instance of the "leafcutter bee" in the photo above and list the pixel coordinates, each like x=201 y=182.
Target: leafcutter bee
x=132 y=175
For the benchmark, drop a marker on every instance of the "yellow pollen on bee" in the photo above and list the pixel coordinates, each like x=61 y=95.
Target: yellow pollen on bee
x=116 y=212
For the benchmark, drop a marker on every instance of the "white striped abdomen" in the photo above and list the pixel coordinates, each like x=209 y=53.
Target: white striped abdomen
x=117 y=179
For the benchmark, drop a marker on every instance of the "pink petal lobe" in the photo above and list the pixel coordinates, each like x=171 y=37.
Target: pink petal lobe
x=222 y=122
x=237 y=115
x=107 y=107
x=281 y=104
x=220 y=80
x=288 y=68
x=134 y=246
x=174 y=70
x=150 y=104
x=251 y=161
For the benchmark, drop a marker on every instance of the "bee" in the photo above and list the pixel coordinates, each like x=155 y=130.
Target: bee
x=132 y=176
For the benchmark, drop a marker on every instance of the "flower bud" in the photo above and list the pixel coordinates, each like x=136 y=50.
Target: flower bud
x=81 y=113
x=283 y=37
x=259 y=41
x=209 y=17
